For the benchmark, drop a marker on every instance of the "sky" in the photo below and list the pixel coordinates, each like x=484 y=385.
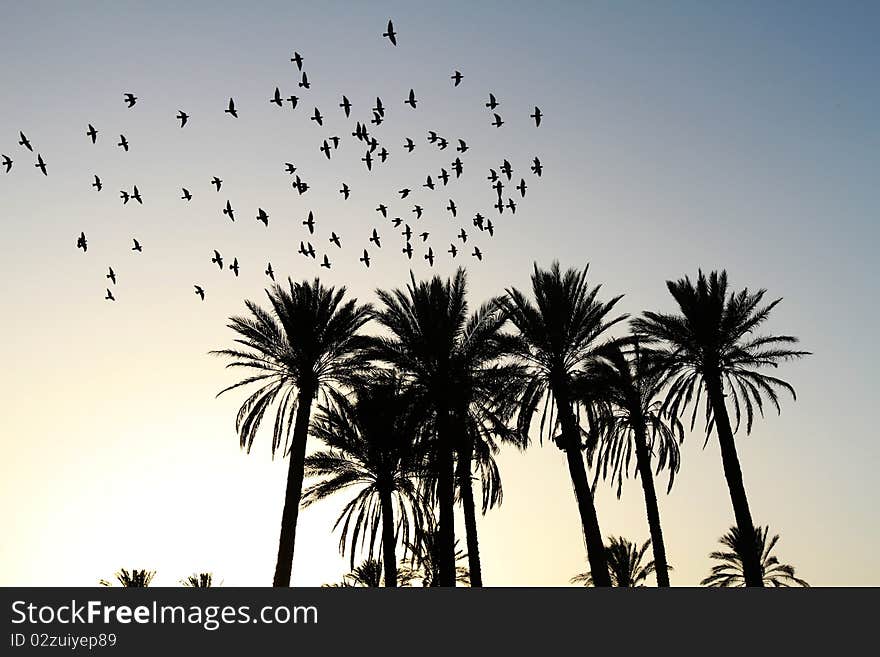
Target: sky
x=676 y=136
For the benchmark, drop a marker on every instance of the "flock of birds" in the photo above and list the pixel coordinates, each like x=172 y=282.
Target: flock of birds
x=375 y=155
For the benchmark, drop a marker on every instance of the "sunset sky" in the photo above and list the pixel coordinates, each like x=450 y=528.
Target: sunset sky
x=676 y=135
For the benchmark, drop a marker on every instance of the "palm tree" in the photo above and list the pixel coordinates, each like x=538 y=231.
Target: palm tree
x=306 y=345
x=711 y=347
x=556 y=338
x=623 y=392
x=198 y=580
x=446 y=361
x=425 y=552
x=731 y=571
x=373 y=445
x=369 y=574
x=134 y=578
x=625 y=563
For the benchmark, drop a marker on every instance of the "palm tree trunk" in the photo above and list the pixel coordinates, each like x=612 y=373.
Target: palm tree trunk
x=733 y=473
x=389 y=557
x=446 y=501
x=643 y=460
x=284 y=564
x=466 y=488
x=578 y=473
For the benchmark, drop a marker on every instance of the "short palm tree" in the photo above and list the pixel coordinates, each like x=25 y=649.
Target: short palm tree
x=622 y=389
x=556 y=337
x=307 y=344
x=373 y=441
x=369 y=574
x=625 y=561
x=711 y=347
x=133 y=578
x=198 y=580
x=730 y=571
x=424 y=562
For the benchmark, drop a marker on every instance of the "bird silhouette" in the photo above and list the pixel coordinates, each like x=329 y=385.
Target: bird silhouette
x=183 y=117
x=335 y=142
x=303 y=250
x=217 y=259
x=136 y=195
x=490 y=228
x=451 y=207
x=231 y=109
x=124 y=195
x=269 y=271
x=326 y=262
x=293 y=100
x=383 y=155
x=137 y=246
x=391 y=34
x=310 y=222
x=409 y=145
x=493 y=175
x=497 y=122
x=498 y=187
x=325 y=148
x=512 y=205
x=452 y=250
x=404 y=192
x=310 y=250
x=109 y=296
x=429 y=256
x=112 y=275
x=506 y=169
x=444 y=176
x=130 y=100
x=432 y=137
x=345 y=191
x=375 y=239
x=522 y=187
x=199 y=292
x=537 y=169
x=379 y=108
x=407 y=233
x=442 y=143
x=492 y=104
x=458 y=167
x=228 y=211
x=82 y=243
x=304 y=82
x=377 y=119
x=346 y=106
x=429 y=183
x=368 y=160
x=123 y=143
x=262 y=216
x=297 y=58
x=462 y=146
x=335 y=239
x=301 y=186
x=276 y=99
x=383 y=209
x=424 y=236
x=92 y=133
x=418 y=210
x=396 y=221
x=477 y=253
x=186 y=195
x=216 y=182
x=411 y=99
x=537 y=116
x=234 y=266
x=462 y=236
x=7 y=162
x=408 y=250
x=23 y=141
x=41 y=165
x=97 y=184
x=365 y=259
x=456 y=78
x=317 y=118
x=499 y=205
x=289 y=168
x=478 y=221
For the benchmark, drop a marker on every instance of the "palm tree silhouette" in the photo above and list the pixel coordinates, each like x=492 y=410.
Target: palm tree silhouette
x=426 y=322
x=711 y=346
x=306 y=345
x=373 y=441
x=730 y=572
x=131 y=579
x=625 y=563
x=369 y=574
x=198 y=580
x=556 y=338
x=630 y=420
x=426 y=554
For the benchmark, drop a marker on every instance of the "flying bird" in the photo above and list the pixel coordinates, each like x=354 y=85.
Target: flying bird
x=368 y=159
x=379 y=108
x=418 y=210
x=228 y=211
x=345 y=191
x=23 y=141
x=346 y=106
x=396 y=221
x=444 y=176
x=411 y=100
x=112 y=275
x=130 y=100
x=326 y=262
x=317 y=117
x=452 y=250
x=456 y=78
x=462 y=146
x=497 y=122
x=136 y=195
x=409 y=145
x=200 y=292
x=276 y=99
x=506 y=169
x=512 y=205
x=289 y=168
x=262 y=216
x=377 y=119
x=301 y=186
x=407 y=233
x=325 y=148
x=404 y=193
x=310 y=222
x=91 y=132
x=97 y=184
x=493 y=175
x=375 y=239
x=424 y=236
x=408 y=250
x=442 y=143
x=186 y=195
x=304 y=83
x=458 y=167
x=110 y=296
x=492 y=104
x=216 y=182
x=231 y=109
x=365 y=258
x=478 y=221
x=522 y=187
x=383 y=155
x=137 y=246
x=391 y=34
x=183 y=117
x=234 y=266
x=462 y=236
x=383 y=210
x=432 y=137
x=41 y=165
x=293 y=100
x=335 y=239
x=123 y=143
x=269 y=271
x=537 y=116
x=490 y=228
x=477 y=253
x=82 y=243
x=429 y=183
x=451 y=207
x=536 y=167
x=297 y=58
x=429 y=256
x=7 y=162
x=335 y=141
x=124 y=195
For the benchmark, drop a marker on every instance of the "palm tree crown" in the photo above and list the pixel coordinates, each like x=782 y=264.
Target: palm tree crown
x=729 y=572
x=625 y=562
x=134 y=578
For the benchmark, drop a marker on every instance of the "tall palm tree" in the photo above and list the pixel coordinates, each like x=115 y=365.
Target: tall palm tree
x=730 y=572
x=556 y=337
x=622 y=388
x=447 y=361
x=198 y=580
x=625 y=561
x=373 y=441
x=133 y=578
x=711 y=346
x=307 y=344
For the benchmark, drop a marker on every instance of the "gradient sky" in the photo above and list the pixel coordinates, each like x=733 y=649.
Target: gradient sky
x=677 y=135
